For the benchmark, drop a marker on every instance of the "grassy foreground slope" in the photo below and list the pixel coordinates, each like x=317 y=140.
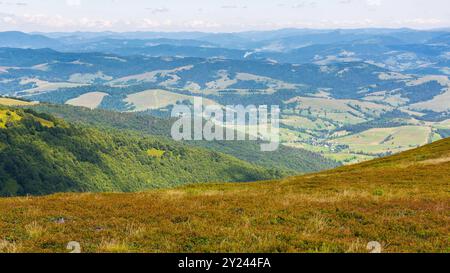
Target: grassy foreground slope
x=401 y=201
x=40 y=154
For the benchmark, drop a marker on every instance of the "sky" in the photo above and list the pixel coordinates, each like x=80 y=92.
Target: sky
x=219 y=15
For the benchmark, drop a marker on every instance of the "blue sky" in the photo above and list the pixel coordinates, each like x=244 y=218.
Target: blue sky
x=219 y=15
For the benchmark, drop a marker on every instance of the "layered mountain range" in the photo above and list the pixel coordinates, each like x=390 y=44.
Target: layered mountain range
x=350 y=95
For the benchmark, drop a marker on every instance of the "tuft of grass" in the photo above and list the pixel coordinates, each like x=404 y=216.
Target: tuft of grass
x=34 y=230
x=114 y=247
x=134 y=230
x=316 y=224
x=357 y=246
x=378 y=192
x=9 y=247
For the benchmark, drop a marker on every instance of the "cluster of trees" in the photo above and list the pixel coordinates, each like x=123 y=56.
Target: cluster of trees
x=100 y=118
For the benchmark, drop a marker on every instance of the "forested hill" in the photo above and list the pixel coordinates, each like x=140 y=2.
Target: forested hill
x=290 y=159
x=40 y=154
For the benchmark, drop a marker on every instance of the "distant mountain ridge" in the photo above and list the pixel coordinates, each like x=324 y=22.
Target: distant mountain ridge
x=74 y=74
x=23 y=40
x=348 y=94
x=401 y=50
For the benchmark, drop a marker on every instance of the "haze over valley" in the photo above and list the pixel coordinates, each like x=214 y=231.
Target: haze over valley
x=349 y=95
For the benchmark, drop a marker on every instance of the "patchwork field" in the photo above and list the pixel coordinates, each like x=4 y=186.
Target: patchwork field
x=42 y=86
x=325 y=107
x=443 y=124
x=307 y=123
x=438 y=103
x=348 y=158
x=379 y=140
x=338 y=111
x=157 y=98
x=90 y=100
x=151 y=76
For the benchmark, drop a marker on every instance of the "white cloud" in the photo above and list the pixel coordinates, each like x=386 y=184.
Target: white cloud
x=164 y=15
x=304 y=4
x=158 y=10
x=374 y=3
x=201 y=24
x=418 y=22
x=73 y=3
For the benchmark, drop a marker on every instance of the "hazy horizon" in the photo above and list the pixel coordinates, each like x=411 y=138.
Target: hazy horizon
x=219 y=15
x=225 y=32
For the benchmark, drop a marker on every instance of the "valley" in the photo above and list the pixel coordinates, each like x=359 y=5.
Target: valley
x=87 y=153
x=323 y=106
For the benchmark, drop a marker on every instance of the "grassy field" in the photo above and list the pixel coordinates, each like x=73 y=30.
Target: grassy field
x=90 y=100
x=379 y=140
x=45 y=86
x=14 y=102
x=306 y=123
x=339 y=111
x=402 y=201
x=155 y=99
x=348 y=158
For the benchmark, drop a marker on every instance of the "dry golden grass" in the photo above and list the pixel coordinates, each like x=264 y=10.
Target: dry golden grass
x=397 y=201
x=114 y=247
x=90 y=100
x=8 y=247
x=34 y=230
x=14 y=102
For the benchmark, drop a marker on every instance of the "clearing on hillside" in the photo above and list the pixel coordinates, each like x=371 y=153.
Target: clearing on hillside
x=15 y=102
x=90 y=100
x=157 y=98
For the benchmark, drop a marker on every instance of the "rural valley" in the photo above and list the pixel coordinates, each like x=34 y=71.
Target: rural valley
x=87 y=152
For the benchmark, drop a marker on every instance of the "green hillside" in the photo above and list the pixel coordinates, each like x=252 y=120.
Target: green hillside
x=40 y=154
x=292 y=160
